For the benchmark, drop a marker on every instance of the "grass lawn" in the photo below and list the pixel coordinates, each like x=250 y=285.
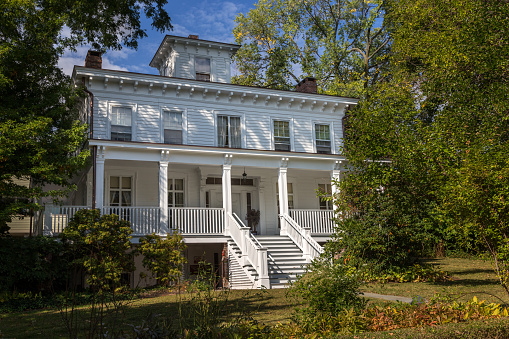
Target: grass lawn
x=269 y=307
x=469 y=278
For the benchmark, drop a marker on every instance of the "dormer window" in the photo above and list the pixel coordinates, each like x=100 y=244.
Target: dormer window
x=202 y=68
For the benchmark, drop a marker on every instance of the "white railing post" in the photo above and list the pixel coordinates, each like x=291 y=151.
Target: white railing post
x=306 y=251
x=263 y=279
x=243 y=244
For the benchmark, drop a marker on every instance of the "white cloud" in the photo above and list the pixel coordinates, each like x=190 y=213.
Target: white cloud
x=212 y=20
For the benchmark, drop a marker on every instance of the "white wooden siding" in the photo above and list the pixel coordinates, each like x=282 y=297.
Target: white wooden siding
x=201 y=126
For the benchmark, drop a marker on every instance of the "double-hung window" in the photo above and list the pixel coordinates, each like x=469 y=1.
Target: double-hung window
x=120 y=191
x=202 y=68
x=282 y=135
x=172 y=122
x=175 y=192
x=325 y=193
x=121 y=123
x=323 y=139
x=228 y=131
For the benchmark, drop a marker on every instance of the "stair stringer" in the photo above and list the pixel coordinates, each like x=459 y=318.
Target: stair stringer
x=240 y=276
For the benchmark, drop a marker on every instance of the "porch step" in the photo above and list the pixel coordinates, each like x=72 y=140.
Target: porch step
x=240 y=277
x=284 y=258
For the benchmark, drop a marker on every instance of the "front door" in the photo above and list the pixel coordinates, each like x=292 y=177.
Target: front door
x=236 y=205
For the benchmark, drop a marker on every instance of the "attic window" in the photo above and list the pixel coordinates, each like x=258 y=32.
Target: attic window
x=202 y=68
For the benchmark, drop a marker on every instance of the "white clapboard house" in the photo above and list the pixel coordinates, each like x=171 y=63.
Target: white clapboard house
x=187 y=150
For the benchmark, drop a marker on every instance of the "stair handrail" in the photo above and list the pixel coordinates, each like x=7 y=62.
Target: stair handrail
x=305 y=234
x=252 y=251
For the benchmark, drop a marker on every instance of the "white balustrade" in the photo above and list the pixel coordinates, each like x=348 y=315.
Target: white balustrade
x=301 y=236
x=144 y=220
x=57 y=217
x=319 y=221
x=197 y=220
x=252 y=251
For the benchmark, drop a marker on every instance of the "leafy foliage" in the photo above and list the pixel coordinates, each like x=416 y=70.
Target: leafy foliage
x=101 y=246
x=41 y=135
x=336 y=42
x=32 y=265
x=426 y=149
x=327 y=288
x=163 y=257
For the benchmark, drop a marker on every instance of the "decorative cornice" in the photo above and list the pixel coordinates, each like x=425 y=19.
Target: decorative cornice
x=153 y=85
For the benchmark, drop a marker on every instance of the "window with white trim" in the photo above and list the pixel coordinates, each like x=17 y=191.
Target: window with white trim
x=121 y=129
x=289 y=188
x=172 y=127
x=121 y=191
x=202 y=68
x=323 y=139
x=228 y=131
x=282 y=135
x=175 y=192
x=326 y=192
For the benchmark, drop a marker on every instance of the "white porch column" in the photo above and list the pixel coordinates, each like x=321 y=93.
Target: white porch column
x=99 y=178
x=163 y=193
x=282 y=181
x=227 y=189
x=335 y=177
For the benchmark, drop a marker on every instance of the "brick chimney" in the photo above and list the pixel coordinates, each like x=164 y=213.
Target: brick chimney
x=192 y=36
x=307 y=85
x=94 y=59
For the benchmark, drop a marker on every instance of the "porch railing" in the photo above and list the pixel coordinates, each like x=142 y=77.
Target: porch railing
x=57 y=217
x=301 y=236
x=252 y=252
x=319 y=221
x=197 y=220
x=144 y=220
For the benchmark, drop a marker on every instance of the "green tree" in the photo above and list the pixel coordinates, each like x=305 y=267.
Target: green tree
x=163 y=257
x=341 y=43
x=439 y=130
x=100 y=247
x=41 y=137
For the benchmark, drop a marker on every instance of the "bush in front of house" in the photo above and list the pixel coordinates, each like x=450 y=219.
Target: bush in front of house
x=328 y=288
x=35 y=264
x=163 y=257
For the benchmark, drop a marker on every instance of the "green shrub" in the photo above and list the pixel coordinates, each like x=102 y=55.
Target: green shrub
x=163 y=257
x=328 y=288
x=32 y=264
x=100 y=246
x=413 y=273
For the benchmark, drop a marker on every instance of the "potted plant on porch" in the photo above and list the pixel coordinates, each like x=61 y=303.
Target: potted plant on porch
x=253 y=219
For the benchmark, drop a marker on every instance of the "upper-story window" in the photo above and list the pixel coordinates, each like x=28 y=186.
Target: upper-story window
x=228 y=131
x=282 y=135
x=172 y=122
x=323 y=139
x=202 y=68
x=121 y=123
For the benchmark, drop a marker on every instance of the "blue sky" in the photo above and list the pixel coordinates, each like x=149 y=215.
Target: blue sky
x=211 y=20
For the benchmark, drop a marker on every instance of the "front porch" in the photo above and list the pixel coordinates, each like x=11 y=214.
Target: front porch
x=189 y=221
